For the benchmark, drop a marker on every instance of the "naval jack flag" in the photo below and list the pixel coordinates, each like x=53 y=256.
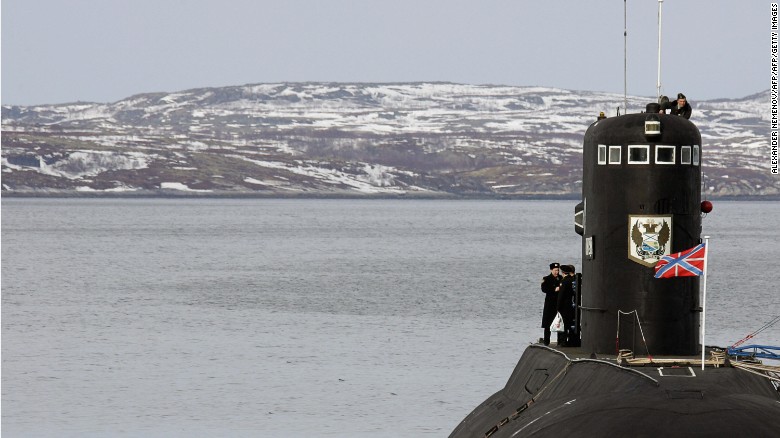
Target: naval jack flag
x=688 y=263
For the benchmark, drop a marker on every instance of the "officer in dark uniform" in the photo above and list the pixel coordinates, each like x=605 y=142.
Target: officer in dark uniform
x=565 y=306
x=551 y=284
x=665 y=104
x=683 y=108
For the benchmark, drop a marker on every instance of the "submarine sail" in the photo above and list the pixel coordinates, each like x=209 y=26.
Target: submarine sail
x=641 y=201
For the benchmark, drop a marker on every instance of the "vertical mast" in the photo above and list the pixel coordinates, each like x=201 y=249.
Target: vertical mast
x=658 y=85
x=625 y=61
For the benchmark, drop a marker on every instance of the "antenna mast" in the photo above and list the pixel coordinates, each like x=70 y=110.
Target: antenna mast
x=660 y=6
x=625 y=61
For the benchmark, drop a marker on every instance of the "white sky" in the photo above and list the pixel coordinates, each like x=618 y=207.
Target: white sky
x=56 y=51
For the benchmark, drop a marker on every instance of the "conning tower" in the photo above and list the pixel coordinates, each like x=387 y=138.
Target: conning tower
x=641 y=201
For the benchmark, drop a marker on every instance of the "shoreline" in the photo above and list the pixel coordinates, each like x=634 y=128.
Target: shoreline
x=416 y=196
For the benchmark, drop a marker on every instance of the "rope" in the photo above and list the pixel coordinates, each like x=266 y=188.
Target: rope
x=718 y=356
x=770 y=372
x=765 y=326
x=617 y=337
x=624 y=354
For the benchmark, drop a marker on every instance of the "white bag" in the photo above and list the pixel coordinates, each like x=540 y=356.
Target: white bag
x=557 y=324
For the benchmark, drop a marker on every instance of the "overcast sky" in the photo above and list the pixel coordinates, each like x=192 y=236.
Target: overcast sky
x=56 y=51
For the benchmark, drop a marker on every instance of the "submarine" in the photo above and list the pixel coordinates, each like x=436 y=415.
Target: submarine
x=636 y=367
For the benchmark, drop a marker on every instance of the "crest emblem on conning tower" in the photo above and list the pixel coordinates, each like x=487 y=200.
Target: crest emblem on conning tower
x=649 y=238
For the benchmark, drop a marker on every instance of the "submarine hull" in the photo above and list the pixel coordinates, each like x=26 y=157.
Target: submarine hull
x=551 y=394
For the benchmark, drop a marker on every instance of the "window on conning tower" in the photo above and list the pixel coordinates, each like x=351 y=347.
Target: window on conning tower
x=664 y=154
x=685 y=155
x=602 y=154
x=614 y=155
x=695 y=155
x=639 y=154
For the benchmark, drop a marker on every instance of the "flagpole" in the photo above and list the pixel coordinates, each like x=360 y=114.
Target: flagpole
x=704 y=299
x=660 y=7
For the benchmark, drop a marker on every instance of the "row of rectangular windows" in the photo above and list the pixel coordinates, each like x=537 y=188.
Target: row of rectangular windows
x=640 y=154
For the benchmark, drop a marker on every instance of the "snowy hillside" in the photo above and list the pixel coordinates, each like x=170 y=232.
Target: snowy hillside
x=323 y=139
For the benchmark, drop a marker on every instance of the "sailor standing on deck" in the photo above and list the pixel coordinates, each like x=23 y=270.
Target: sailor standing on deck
x=551 y=284
x=565 y=306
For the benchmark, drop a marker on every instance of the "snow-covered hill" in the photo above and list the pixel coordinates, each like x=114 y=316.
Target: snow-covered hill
x=334 y=139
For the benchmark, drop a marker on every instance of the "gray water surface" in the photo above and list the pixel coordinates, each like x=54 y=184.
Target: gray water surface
x=218 y=317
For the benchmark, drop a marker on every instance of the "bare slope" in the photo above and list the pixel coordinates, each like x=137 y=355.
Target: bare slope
x=323 y=139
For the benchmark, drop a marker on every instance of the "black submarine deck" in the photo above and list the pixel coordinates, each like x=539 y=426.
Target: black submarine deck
x=565 y=391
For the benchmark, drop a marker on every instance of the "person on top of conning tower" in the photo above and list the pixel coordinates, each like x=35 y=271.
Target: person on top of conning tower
x=683 y=108
x=665 y=104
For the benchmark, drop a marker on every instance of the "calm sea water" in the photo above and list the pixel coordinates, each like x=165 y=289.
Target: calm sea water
x=300 y=317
